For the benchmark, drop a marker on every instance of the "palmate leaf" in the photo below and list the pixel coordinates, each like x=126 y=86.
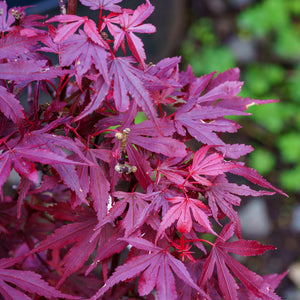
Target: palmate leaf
x=226 y=265
x=182 y=210
x=136 y=202
x=25 y=168
x=103 y=4
x=169 y=168
x=146 y=141
x=202 y=122
x=51 y=143
x=272 y=280
x=14 y=46
x=129 y=24
x=253 y=176
x=38 y=148
x=79 y=48
x=66 y=234
x=6 y=18
x=127 y=80
x=94 y=181
x=79 y=233
x=30 y=70
x=73 y=23
x=208 y=165
x=143 y=135
x=157 y=269
x=222 y=195
x=29 y=282
x=77 y=255
x=127 y=83
x=10 y=106
x=108 y=245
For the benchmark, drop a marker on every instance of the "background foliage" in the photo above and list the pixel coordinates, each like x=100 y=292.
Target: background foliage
x=263 y=39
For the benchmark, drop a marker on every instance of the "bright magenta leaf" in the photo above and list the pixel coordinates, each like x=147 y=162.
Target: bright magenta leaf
x=103 y=4
x=30 y=70
x=79 y=48
x=207 y=165
x=10 y=106
x=182 y=211
x=131 y=23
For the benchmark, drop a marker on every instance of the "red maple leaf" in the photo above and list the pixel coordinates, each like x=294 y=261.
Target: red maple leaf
x=157 y=267
x=30 y=70
x=27 y=281
x=136 y=202
x=79 y=48
x=203 y=121
x=207 y=165
x=143 y=135
x=6 y=19
x=127 y=83
x=14 y=46
x=131 y=22
x=173 y=171
x=222 y=195
x=80 y=233
x=182 y=211
x=103 y=4
x=71 y=23
x=10 y=106
x=225 y=265
x=93 y=179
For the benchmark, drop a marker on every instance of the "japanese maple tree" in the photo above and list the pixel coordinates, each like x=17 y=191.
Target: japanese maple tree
x=109 y=192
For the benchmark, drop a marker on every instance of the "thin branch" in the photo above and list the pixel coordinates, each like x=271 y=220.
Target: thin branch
x=72 y=7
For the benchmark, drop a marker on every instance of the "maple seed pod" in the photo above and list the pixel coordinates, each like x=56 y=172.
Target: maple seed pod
x=119 y=136
x=18 y=16
x=119 y=168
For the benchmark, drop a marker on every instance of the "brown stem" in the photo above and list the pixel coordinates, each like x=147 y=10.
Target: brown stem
x=72 y=7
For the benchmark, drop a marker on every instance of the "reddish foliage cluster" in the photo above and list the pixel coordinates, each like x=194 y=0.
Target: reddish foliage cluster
x=104 y=199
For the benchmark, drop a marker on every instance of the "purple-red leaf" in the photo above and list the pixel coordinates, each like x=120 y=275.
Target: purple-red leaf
x=137 y=203
x=222 y=195
x=182 y=211
x=103 y=4
x=131 y=23
x=30 y=70
x=84 y=51
x=10 y=106
x=253 y=176
x=224 y=263
x=6 y=19
x=144 y=136
x=157 y=267
x=208 y=165
x=29 y=282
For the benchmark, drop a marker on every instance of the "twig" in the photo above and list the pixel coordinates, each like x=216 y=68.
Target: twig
x=72 y=7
